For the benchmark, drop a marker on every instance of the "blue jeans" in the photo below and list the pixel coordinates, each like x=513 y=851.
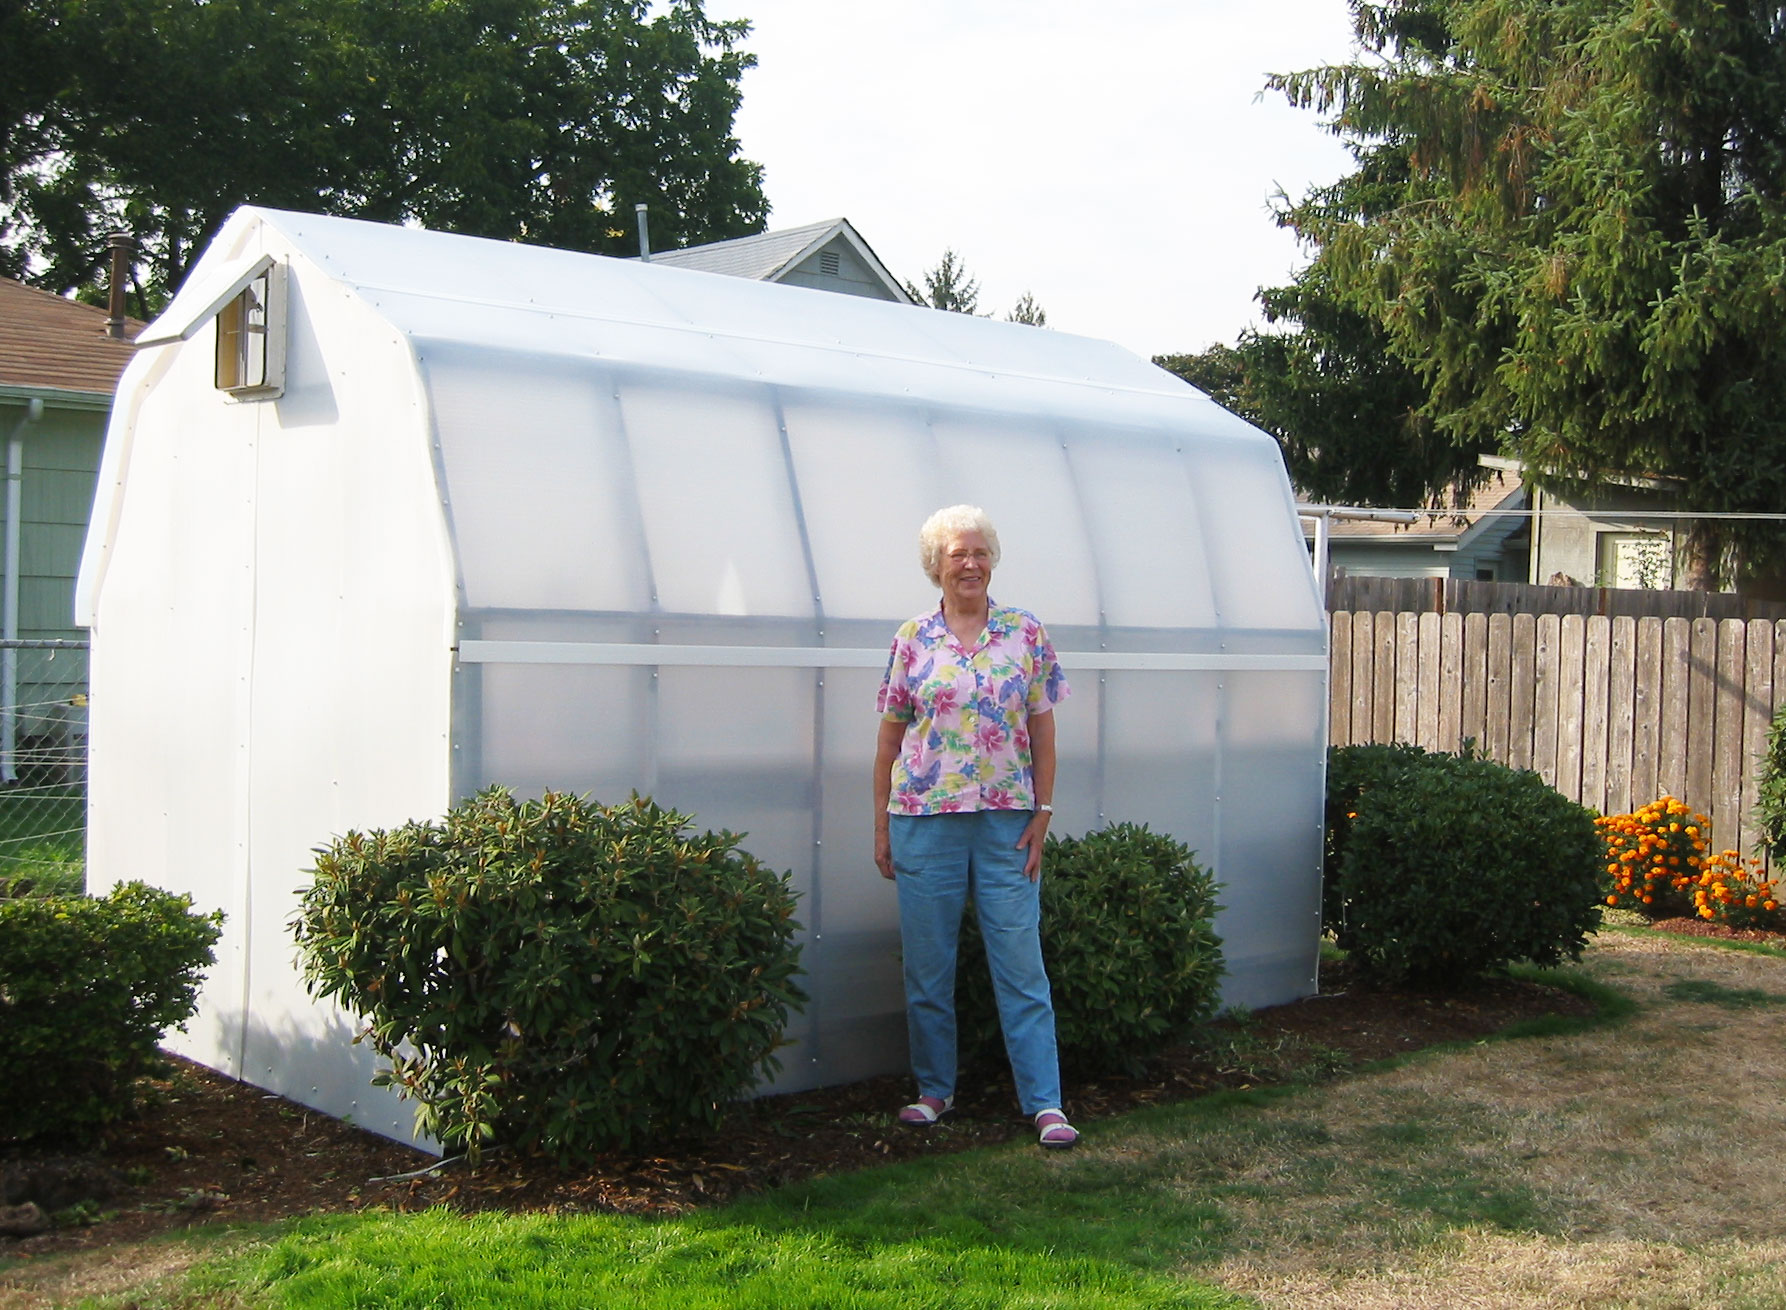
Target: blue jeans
x=939 y=860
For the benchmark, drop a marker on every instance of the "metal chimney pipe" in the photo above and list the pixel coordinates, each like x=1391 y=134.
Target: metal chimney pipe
x=122 y=247
x=644 y=235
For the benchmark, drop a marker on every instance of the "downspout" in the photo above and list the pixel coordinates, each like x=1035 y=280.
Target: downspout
x=9 y=598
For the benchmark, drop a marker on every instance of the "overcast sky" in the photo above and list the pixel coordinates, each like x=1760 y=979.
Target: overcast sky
x=1116 y=159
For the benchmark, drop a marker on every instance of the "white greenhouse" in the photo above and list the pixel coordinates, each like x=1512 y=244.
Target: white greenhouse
x=386 y=516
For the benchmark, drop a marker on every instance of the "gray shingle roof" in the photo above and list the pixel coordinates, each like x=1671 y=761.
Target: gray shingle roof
x=773 y=256
x=758 y=257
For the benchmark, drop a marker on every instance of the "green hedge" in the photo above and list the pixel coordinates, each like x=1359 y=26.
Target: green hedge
x=1443 y=868
x=556 y=975
x=1127 y=934
x=1770 y=797
x=87 y=988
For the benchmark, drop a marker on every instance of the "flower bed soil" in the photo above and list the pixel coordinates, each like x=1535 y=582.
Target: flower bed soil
x=205 y=1149
x=1700 y=928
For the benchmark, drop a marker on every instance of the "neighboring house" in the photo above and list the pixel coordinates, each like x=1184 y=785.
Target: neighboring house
x=55 y=352
x=1608 y=539
x=1470 y=542
x=827 y=256
x=58 y=370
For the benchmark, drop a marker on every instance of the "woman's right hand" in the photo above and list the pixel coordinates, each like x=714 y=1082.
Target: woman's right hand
x=883 y=852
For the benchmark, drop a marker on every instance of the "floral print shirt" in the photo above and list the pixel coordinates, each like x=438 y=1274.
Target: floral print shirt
x=967 y=711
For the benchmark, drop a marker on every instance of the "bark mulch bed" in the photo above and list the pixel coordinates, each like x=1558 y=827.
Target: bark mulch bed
x=1700 y=928
x=205 y=1149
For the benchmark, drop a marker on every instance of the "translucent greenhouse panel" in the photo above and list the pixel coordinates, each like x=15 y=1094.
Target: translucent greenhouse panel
x=735 y=750
x=1144 y=527
x=857 y=1014
x=1257 y=558
x=1017 y=471
x=1162 y=767
x=570 y=727
x=854 y=1025
x=865 y=548
x=1271 y=828
x=542 y=512
x=1080 y=791
x=715 y=497
x=854 y=898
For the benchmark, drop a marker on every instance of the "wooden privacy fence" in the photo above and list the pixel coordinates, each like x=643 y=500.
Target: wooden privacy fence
x=1612 y=712
x=1443 y=595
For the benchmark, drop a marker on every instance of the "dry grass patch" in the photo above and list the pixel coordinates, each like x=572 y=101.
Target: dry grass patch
x=132 y=1272
x=1635 y=1165
x=1498 y=1271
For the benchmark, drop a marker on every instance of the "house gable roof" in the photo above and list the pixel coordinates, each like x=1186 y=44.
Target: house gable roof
x=1471 y=517
x=773 y=256
x=51 y=344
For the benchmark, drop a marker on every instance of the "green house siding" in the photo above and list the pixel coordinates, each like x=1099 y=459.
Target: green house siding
x=60 y=470
x=60 y=463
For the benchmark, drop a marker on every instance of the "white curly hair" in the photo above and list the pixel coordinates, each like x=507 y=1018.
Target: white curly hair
x=943 y=526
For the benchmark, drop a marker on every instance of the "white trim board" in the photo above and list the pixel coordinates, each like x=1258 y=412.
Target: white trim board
x=840 y=657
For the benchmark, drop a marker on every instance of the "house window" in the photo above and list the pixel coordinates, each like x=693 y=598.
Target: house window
x=829 y=263
x=251 y=338
x=1638 y=560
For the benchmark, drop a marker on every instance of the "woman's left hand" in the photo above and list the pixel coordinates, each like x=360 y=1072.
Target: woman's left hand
x=1035 y=836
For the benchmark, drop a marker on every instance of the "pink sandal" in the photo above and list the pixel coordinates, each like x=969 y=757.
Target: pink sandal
x=1053 y=1130
x=926 y=1110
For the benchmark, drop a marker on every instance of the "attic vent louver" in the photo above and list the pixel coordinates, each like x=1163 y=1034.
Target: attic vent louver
x=250 y=361
x=829 y=263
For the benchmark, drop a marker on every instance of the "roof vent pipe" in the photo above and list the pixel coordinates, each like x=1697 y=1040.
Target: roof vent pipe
x=644 y=235
x=122 y=247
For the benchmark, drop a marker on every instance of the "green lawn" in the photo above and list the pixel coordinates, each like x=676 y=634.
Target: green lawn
x=732 y=1259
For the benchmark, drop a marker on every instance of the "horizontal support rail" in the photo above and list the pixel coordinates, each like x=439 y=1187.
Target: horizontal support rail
x=841 y=657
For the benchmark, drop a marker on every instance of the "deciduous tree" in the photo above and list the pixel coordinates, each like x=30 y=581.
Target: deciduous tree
x=536 y=120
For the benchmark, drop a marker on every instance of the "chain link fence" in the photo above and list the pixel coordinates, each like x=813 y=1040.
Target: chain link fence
x=43 y=765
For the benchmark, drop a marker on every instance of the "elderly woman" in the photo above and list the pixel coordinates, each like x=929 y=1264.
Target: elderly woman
x=963 y=779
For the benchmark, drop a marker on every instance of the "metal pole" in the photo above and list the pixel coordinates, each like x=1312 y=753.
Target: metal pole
x=122 y=247
x=1323 y=528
